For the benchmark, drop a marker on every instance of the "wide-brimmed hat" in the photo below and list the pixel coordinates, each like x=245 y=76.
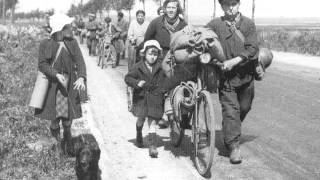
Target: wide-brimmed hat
x=58 y=21
x=153 y=43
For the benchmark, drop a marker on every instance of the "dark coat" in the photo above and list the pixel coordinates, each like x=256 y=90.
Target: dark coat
x=233 y=46
x=47 y=52
x=157 y=31
x=148 y=100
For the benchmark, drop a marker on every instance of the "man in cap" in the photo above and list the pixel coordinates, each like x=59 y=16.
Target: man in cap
x=123 y=25
x=92 y=27
x=238 y=37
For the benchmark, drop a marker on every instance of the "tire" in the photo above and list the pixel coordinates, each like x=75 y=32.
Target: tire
x=176 y=132
x=204 y=149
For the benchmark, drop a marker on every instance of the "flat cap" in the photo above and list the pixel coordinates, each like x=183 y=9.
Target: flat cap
x=228 y=1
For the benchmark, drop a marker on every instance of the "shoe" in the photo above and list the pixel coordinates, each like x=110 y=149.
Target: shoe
x=235 y=155
x=139 y=138
x=163 y=124
x=153 y=153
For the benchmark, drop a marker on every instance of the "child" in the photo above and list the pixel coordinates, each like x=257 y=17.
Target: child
x=145 y=78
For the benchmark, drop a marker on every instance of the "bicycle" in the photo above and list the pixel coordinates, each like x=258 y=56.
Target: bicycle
x=194 y=99
x=106 y=51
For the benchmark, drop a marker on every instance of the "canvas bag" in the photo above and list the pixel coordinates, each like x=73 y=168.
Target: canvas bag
x=41 y=86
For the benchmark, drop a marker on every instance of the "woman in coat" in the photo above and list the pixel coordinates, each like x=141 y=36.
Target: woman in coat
x=67 y=76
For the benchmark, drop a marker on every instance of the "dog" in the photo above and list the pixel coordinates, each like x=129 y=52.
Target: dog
x=87 y=153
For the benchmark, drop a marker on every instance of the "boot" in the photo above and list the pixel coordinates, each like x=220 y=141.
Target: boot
x=118 y=59
x=235 y=155
x=66 y=143
x=153 y=153
x=139 y=139
x=56 y=134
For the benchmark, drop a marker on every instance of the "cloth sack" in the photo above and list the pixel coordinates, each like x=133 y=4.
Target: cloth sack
x=41 y=86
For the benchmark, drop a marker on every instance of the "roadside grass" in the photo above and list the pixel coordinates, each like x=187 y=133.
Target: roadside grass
x=18 y=127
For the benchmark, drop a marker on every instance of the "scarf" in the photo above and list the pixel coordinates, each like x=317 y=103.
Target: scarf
x=171 y=25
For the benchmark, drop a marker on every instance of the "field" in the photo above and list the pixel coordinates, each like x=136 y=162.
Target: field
x=20 y=158
x=289 y=38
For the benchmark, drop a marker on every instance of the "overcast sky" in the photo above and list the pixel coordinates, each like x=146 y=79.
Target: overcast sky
x=264 y=8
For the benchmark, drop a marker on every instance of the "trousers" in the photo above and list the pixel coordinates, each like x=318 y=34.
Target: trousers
x=236 y=103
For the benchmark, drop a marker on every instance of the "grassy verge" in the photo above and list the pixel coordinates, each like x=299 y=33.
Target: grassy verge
x=18 y=127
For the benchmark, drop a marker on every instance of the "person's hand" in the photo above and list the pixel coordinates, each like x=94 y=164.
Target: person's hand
x=62 y=80
x=141 y=83
x=229 y=64
x=79 y=84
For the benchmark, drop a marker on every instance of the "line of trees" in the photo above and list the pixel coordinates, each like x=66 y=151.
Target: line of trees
x=94 y=6
x=34 y=14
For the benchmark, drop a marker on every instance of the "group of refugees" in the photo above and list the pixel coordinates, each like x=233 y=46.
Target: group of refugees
x=61 y=60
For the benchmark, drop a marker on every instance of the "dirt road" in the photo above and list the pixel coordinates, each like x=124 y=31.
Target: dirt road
x=280 y=137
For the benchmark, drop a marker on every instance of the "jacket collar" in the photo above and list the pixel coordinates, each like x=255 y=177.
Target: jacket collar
x=142 y=67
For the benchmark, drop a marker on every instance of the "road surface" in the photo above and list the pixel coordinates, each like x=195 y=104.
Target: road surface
x=280 y=137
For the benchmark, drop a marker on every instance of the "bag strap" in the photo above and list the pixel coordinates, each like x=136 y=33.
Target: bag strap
x=58 y=53
x=236 y=30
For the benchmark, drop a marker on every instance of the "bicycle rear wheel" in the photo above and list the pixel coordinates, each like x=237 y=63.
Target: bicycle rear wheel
x=204 y=133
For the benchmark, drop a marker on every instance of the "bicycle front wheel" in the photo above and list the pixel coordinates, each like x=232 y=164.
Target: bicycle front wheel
x=204 y=133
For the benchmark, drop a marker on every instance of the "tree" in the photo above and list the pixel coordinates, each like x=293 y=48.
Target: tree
x=127 y=5
x=144 y=5
x=8 y=5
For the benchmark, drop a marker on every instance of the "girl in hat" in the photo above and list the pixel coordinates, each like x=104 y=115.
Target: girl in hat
x=145 y=78
x=61 y=60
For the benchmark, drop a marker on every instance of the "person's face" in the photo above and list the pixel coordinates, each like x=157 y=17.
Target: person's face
x=231 y=9
x=119 y=18
x=67 y=31
x=171 y=9
x=140 y=18
x=161 y=12
x=152 y=55
x=91 y=18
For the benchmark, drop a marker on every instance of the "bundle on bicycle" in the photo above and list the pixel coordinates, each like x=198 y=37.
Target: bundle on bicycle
x=193 y=67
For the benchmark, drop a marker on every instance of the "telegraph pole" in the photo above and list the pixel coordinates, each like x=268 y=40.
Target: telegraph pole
x=253 y=9
x=185 y=5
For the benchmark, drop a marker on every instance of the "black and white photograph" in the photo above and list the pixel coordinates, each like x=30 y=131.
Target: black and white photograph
x=159 y=90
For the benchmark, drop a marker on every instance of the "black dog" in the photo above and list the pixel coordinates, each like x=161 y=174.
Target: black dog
x=87 y=152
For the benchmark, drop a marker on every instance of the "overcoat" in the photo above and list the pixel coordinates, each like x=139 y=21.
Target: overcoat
x=148 y=100
x=47 y=52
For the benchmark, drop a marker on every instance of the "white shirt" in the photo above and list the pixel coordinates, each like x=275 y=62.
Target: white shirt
x=137 y=31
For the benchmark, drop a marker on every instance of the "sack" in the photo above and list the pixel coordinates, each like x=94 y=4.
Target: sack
x=39 y=91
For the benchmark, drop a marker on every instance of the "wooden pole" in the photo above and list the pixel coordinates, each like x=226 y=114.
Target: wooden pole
x=253 y=9
x=214 y=8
